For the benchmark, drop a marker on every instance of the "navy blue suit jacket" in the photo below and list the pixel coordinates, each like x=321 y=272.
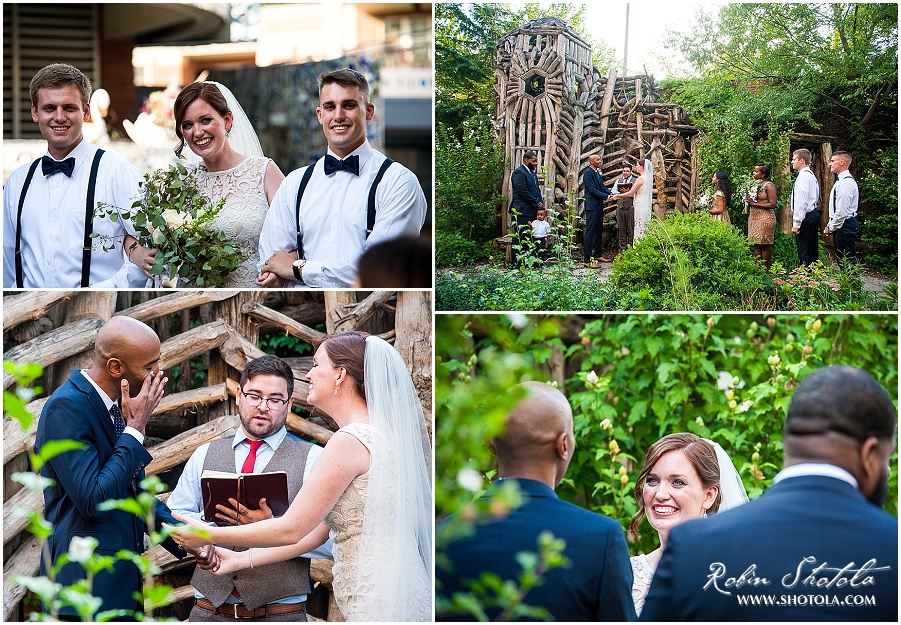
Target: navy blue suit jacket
x=596 y=193
x=107 y=468
x=526 y=195
x=596 y=587
x=799 y=517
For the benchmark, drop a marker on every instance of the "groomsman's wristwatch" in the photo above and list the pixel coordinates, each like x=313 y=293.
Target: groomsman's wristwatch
x=297 y=265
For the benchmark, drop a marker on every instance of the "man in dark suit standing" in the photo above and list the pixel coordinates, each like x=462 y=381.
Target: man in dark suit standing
x=596 y=193
x=534 y=453
x=95 y=408
x=526 y=202
x=816 y=546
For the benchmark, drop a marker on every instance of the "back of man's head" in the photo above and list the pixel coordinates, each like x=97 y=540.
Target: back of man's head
x=538 y=440
x=841 y=399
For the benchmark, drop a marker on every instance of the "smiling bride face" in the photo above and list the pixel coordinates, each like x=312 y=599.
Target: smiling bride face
x=679 y=481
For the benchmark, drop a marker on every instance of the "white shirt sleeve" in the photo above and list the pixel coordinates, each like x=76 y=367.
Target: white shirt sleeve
x=10 y=208
x=186 y=498
x=400 y=210
x=805 y=194
x=280 y=226
x=846 y=196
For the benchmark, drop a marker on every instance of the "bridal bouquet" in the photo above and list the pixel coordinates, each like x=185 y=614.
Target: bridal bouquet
x=749 y=189
x=704 y=202
x=172 y=216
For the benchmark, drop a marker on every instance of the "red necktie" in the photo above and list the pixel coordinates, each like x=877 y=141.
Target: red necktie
x=248 y=468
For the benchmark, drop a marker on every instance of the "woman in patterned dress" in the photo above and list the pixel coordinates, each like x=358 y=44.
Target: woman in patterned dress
x=370 y=490
x=762 y=219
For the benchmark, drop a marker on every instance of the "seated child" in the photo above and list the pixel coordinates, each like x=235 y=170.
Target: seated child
x=541 y=230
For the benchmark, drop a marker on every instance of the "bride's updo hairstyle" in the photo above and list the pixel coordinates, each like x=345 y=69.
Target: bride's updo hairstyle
x=205 y=91
x=347 y=350
x=700 y=454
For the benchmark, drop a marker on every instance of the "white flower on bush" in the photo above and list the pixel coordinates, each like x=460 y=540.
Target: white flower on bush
x=82 y=548
x=592 y=377
x=518 y=320
x=745 y=406
x=606 y=424
x=724 y=380
x=470 y=479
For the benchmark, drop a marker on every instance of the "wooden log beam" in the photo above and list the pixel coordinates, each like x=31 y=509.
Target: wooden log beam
x=321 y=570
x=55 y=345
x=175 y=302
x=307 y=428
x=263 y=313
x=362 y=311
x=15 y=439
x=29 y=306
x=179 y=448
x=13 y=523
x=194 y=342
x=24 y=562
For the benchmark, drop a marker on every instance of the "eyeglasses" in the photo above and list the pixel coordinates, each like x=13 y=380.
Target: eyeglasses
x=273 y=403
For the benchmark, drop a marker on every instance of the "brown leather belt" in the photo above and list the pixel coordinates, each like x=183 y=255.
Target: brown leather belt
x=236 y=610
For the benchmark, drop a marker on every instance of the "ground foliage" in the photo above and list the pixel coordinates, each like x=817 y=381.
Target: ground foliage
x=634 y=378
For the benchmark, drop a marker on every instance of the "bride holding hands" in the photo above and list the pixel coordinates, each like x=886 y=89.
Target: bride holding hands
x=370 y=489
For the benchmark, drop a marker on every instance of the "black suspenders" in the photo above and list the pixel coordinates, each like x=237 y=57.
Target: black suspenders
x=370 y=207
x=88 y=222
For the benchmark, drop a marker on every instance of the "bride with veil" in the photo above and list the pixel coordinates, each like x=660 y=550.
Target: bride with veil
x=226 y=153
x=643 y=197
x=683 y=477
x=370 y=489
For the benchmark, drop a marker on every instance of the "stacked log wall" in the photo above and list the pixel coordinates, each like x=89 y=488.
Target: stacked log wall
x=189 y=415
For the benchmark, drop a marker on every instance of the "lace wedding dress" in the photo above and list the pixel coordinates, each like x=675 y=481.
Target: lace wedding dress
x=362 y=584
x=642 y=574
x=244 y=212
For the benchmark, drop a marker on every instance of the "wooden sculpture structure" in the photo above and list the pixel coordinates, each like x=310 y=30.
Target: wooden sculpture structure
x=553 y=101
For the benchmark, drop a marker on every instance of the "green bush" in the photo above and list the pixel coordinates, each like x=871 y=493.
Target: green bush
x=689 y=262
x=452 y=249
x=467 y=178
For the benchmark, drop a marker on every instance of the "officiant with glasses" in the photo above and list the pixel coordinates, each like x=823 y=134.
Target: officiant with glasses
x=48 y=204
x=272 y=592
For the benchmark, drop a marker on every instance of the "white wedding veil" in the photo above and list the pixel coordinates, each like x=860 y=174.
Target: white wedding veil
x=396 y=537
x=643 y=200
x=732 y=490
x=242 y=137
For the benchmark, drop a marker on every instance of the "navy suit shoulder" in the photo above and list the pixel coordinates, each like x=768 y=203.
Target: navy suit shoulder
x=525 y=192
x=595 y=190
x=797 y=525
x=596 y=585
x=105 y=468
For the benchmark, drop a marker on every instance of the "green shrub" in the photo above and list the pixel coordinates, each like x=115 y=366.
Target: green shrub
x=689 y=262
x=452 y=249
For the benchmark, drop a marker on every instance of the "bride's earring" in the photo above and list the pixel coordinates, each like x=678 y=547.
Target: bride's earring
x=336 y=389
x=227 y=134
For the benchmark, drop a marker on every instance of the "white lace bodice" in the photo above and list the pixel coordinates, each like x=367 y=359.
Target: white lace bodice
x=642 y=574
x=244 y=212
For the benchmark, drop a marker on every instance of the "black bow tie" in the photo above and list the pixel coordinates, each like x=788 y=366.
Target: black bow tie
x=50 y=166
x=351 y=164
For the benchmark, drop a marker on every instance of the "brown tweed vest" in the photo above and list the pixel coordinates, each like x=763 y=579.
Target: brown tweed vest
x=262 y=584
x=625 y=203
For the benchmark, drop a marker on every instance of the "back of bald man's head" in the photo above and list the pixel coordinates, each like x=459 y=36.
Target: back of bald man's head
x=120 y=334
x=534 y=425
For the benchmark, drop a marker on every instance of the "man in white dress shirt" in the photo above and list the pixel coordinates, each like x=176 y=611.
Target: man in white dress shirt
x=334 y=210
x=843 y=203
x=275 y=592
x=805 y=216
x=47 y=228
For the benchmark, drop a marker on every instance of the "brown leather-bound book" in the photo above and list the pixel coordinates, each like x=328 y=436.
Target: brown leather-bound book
x=217 y=487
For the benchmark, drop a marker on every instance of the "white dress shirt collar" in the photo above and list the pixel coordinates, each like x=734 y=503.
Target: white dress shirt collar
x=82 y=153
x=364 y=151
x=107 y=401
x=816 y=468
x=273 y=441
